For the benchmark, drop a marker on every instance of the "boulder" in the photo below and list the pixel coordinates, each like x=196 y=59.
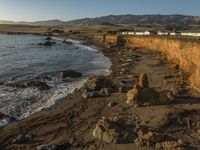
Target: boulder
x=70 y=74
x=107 y=131
x=166 y=97
x=48 y=38
x=143 y=95
x=112 y=104
x=47 y=43
x=97 y=83
x=39 y=84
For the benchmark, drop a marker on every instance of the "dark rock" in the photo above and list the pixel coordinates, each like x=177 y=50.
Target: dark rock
x=105 y=92
x=112 y=104
x=97 y=83
x=48 y=38
x=70 y=74
x=47 y=43
x=39 y=84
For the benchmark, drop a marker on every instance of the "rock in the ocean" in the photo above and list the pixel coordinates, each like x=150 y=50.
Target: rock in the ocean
x=39 y=84
x=48 y=38
x=47 y=43
x=70 y=74
x=97 y=83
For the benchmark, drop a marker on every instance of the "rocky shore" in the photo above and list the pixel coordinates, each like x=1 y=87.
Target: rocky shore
x=145 y=103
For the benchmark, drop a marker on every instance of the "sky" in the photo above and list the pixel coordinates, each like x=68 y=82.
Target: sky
x=36 y=10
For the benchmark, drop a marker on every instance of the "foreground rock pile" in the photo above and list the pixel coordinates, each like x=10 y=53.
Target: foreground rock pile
x=116 y=131
x=143 y=95
x=97 y=86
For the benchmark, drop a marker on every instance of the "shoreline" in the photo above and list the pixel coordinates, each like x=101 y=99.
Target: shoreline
x=72 y=121
x=11 y=119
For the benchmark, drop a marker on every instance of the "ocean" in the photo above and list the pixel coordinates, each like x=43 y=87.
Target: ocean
x=22 y=59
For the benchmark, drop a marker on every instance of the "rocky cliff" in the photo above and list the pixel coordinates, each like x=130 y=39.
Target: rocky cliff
x=184 y=52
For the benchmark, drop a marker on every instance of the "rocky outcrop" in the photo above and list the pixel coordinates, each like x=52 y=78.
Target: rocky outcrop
x=117 y=131
x=143 y=95
x=70 y=74
x=110 y=131
x=97 y=83
x=97 y=86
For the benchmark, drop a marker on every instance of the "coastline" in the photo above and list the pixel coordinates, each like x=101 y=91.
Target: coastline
x=73 y=119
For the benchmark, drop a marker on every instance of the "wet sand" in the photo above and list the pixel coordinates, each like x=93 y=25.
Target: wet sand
x=72 y=121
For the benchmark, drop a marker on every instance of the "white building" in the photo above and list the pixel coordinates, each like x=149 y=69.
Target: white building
x=139 y=33
x=149 y=33
x=162 y=33
x=175 y=33
x=131 y=33
x=196 y=34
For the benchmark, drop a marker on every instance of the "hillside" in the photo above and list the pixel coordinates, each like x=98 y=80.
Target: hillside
x=163 y=20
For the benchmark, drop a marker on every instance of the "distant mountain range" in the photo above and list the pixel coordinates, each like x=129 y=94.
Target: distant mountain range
x=169 y=20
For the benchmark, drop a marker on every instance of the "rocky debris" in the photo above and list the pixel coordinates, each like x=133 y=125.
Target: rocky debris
x=112 y=104
x=143 y=95
x=110 y=132
x=169 y=145
x=48 y=38
x=104 y=92
x=22 y=139
x=116 y=130
x=70 y=74
x=68 y=42
x=97 y=86
x=150 y=137
x=97 y=83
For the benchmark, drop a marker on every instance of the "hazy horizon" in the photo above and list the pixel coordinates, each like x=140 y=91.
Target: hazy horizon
x=37 y=10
